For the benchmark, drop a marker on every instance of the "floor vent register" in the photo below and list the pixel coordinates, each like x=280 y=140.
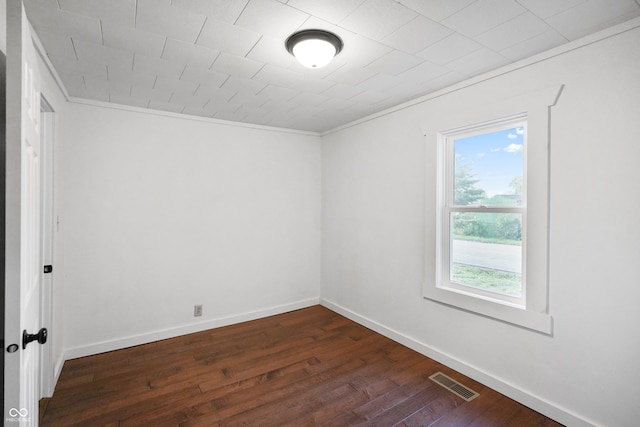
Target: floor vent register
x=453 y=386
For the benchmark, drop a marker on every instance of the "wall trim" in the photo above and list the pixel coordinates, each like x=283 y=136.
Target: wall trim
x=526 y=398
x=120 y=343
x=525 y=62
x=75 y=100
x=57 y=370
x=42 y=53
x=151 y=111
x=506 y=69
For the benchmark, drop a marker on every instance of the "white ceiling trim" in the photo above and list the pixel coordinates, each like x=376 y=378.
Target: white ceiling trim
x=47 y=62
x=559 y=50
x=544 y=56
x=163 y=113
x=75 y=100
x=398 y=50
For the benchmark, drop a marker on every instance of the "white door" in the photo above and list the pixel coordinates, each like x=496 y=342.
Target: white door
x=22 y=230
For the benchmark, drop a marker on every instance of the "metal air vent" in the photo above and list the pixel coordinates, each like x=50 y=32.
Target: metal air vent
x=453 y=386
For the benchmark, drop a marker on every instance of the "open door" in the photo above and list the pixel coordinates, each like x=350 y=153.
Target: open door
x=22 y=224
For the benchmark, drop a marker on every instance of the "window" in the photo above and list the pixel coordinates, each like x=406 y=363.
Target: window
x=483 y=211
x=488 y=230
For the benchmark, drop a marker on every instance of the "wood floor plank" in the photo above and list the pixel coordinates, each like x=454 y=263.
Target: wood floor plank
x=433 y=411
x=526 y=417
x=203 y=404
x=237 y=404
x=318 y=397
x=467 y=412
x=305 y=367
x=500 y=413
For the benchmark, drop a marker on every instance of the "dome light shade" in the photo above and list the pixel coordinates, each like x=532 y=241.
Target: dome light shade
x=314 y=48
x=314 y=53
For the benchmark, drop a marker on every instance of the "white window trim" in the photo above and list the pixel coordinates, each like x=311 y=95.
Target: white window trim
x=535 y=315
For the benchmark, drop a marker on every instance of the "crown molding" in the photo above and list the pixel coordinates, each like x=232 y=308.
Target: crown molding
x=523 y=63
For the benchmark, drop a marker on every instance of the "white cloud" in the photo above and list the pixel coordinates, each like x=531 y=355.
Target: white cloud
x=512 y=136
x=495 y=150
x=520 y=131
x=513 y=148
x=480 y=154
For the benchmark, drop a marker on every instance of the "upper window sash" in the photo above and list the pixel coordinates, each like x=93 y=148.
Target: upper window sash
x=448 y=139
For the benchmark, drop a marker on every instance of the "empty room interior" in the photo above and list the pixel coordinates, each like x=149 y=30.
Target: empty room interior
x=457 y=180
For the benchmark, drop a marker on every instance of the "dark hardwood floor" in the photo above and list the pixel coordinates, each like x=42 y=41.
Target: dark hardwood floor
x=306 y=367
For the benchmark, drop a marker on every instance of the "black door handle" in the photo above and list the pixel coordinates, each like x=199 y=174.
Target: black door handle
x=41 y=336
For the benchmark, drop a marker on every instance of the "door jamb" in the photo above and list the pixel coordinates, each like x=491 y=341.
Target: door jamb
x=47 y=234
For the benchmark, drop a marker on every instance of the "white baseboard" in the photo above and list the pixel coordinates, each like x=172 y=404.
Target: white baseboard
x=534 y=402
x=134 y=340
x=57 y=370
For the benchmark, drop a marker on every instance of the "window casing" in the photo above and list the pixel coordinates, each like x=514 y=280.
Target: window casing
x=530 y=309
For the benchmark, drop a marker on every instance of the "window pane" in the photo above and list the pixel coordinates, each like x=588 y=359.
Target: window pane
x=489 y=168
x=486 y=251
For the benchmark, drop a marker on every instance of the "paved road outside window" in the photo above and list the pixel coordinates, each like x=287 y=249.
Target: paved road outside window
x=488 y=255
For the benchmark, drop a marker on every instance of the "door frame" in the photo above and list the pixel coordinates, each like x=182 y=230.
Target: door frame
x=3 y=168
x=47 y=123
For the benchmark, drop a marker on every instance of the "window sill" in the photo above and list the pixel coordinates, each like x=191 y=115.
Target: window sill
x=540 y=322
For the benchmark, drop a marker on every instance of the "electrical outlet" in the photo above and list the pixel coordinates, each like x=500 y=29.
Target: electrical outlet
x=197 y=310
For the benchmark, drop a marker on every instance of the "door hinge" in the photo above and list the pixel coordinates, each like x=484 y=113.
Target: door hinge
x=48 y=269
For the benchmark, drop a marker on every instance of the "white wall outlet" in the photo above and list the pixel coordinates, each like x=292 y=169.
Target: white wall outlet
x=197 y=310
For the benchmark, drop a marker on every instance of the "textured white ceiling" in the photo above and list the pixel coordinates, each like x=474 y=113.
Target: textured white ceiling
x=226 y=58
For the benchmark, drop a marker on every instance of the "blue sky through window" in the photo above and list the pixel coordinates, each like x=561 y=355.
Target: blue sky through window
x=496 y=158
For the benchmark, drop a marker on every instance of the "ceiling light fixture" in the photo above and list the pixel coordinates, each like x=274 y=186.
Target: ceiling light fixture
x=314 y=48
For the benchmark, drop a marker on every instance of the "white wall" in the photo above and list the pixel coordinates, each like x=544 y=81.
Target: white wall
x=378 y=176
x=162 y=213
